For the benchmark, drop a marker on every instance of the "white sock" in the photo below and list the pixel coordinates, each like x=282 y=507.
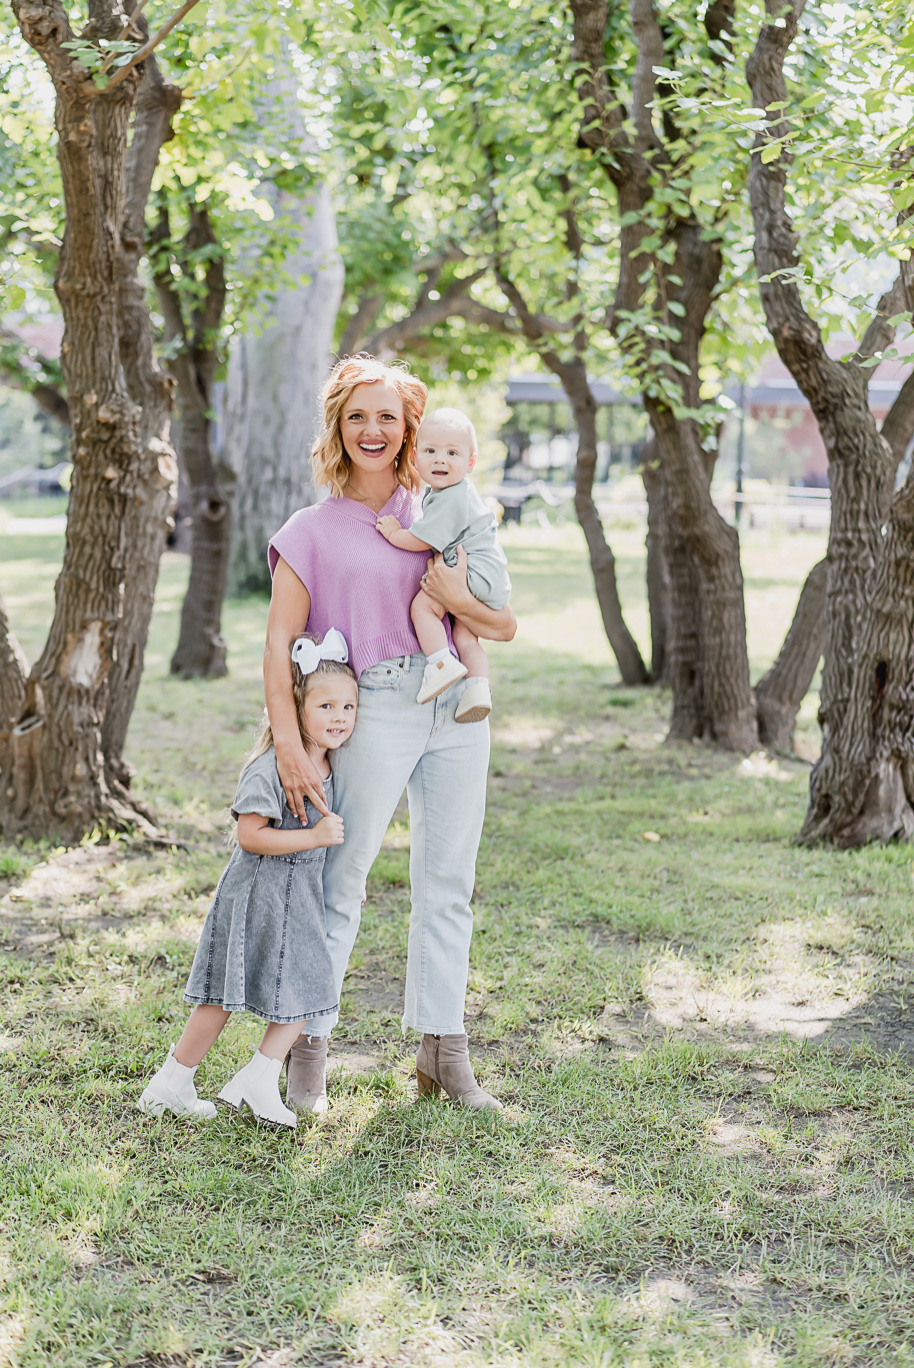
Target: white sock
x=475 y=679
x=438 y=656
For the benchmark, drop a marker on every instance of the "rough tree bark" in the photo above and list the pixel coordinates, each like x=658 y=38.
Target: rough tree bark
x=150 y=512
x=602 y=562
x=720 y=699
x=274 y=376
x=658 y=570
x=861 y=788
x=201 y=649
x=57 y=781
x=14 y=673
x=780 y=691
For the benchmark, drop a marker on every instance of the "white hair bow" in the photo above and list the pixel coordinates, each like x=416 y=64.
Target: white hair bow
x=308 y=654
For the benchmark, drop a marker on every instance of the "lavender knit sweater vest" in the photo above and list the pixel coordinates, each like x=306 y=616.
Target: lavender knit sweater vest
x=358 y=582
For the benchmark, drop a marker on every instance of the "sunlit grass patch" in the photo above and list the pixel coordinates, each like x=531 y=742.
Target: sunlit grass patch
x=698 y=1031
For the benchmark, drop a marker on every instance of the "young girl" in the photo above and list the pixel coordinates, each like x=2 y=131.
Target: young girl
x=263 y=947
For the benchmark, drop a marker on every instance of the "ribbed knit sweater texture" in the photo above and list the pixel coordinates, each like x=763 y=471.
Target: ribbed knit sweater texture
x=358 y=582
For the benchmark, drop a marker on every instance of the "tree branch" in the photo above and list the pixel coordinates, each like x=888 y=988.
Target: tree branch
x=143 y=52
x=603 y=114
x=719 y=20
x=21 y=376
x=359 y=322
x=423 y=316
x=880 y=333
x=45 y=27
x=651 y=54
x=795 y=334
x=898 y=424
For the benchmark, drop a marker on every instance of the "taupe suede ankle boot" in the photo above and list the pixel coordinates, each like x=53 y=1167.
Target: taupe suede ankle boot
x=444 y=1062
x=306 y=1074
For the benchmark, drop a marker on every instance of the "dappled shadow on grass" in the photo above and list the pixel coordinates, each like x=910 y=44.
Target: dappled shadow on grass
x=676 y=1181
x=601 y=1207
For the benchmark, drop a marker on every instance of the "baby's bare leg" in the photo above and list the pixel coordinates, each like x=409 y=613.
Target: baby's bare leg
x=426 y=616
x=469 y=650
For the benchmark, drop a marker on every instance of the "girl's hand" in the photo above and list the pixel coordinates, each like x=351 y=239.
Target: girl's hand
x=329 y=831
x=299 y=777
x=387 y=525
x=447 y=584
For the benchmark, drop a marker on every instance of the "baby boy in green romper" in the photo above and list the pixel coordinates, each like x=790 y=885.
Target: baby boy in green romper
x=453 y=514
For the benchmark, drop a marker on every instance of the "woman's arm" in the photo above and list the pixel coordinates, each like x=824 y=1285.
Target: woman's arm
x=288 y=616
x=448 y=586
x=257 y=836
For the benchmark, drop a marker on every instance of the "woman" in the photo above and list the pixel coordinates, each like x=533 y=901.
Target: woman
x=331 y=568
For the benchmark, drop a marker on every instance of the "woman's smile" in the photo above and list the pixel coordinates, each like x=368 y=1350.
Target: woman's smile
x=373 y=428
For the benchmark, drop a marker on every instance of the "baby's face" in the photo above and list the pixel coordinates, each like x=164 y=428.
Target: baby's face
x=444 y=453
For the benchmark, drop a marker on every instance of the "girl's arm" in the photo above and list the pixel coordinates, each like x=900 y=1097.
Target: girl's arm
x=447 y=585
x=398 y=536
x=257 y=836
x=290 y=606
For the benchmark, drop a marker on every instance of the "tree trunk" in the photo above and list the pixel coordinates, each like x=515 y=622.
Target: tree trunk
x=150 y=513
x=274 y=381
x=632 y=151
x=687 y=720
x=860 y=789
x=602 y=561
x=717 y=698
x=58 y=783
x=201 y=649
x=193 y=343
x=658 y=572
x=275 y=376
x=863 y=786
x=780 y=691
x=14 y=673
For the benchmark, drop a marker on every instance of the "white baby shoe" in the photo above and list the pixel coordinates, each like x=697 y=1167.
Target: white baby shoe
x=475 y=702
x=257 y=1086
x=439 y=676
x=172 y=1089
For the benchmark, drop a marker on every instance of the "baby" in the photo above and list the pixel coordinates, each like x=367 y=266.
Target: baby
x=453 y=514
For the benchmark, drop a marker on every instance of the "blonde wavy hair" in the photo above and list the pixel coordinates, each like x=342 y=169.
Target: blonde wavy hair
x=331 y=464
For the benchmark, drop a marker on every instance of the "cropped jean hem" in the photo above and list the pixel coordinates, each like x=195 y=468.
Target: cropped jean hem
x=432 y=1030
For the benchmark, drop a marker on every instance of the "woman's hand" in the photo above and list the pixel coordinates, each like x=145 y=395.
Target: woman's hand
x=299 y=777
x=447 y=585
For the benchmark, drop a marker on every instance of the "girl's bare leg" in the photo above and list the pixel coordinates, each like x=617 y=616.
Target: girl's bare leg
x=204 y=1026
x=426 y=616
x=278 y=1039
x=471 y=654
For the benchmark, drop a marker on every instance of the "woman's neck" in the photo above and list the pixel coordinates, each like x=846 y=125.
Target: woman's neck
x=373 y=490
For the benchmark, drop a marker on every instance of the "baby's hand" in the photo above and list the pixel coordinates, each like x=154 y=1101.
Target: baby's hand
x=387 y=526
x=329 y=830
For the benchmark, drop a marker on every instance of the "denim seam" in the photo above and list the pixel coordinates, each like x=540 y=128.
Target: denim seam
x=282 y=942
x=422 y=958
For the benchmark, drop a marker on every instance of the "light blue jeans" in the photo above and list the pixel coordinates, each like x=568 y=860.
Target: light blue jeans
x=442 y=764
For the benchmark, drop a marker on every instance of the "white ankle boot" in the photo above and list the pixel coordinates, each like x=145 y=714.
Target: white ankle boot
x=172 y=1089
x=257 y=1086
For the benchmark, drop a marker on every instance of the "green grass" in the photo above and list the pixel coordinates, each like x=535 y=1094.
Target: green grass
x=701 y=1042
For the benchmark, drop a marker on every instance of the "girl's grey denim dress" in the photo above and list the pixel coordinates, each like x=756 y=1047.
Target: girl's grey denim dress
x=264 y=943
